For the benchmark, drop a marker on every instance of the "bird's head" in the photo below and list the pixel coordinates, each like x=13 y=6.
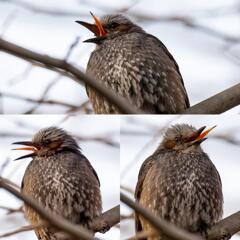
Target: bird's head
x=109 y=27
x=47 y=142
x=184 y=137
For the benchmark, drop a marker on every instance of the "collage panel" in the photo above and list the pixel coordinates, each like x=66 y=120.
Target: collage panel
x=175 y=182
x=119 y=120
x=60 y=177
x=107 y=58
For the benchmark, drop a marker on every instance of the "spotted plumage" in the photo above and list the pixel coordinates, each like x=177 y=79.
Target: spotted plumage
x=137 y=66
x=179 y=183
x=61 y=179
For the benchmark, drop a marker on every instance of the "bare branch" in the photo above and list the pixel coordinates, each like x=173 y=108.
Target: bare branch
x=39 y=101
x=160 y=224
x=72 y=72
x=218 y=103
x=225 y=228
x=106 y=220
x=56 y=221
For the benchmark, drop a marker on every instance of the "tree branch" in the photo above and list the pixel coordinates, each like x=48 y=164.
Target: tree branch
x=12 y=210
x=56 y=64
x=107 y=220
x=225 y=228
x=59 y=222
x=160 y=224
x=218 y=103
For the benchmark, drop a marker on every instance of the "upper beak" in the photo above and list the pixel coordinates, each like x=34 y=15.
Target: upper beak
x=202 y=134
x=96 y=28
x=30 y=146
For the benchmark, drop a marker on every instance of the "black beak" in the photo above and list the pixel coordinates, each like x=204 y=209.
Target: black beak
x=96 y=40
x=26 y=156
x=31 y=146
x=25 y=143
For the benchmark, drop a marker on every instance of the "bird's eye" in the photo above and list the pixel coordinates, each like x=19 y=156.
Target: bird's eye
x=47 y=142
x=113 y=25
x=177 y=139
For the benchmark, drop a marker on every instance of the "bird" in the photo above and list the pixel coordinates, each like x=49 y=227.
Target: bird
x=179 y=183
x=61 y=179
x=135 y=65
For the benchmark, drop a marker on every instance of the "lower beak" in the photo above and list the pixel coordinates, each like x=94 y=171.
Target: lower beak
x=30 y=147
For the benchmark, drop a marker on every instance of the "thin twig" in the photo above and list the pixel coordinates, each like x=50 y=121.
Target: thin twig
x=12 y=210
x=39 y=101
x=23 y=229
x=107 y=220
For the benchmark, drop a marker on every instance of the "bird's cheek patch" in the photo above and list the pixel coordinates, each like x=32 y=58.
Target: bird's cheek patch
x=123 y=28
x=55 y=145
x=169 y=144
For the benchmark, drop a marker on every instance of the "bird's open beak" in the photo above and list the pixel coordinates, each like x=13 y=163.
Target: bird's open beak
x=201 y=135
x=30 y=147
x=96 y=28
